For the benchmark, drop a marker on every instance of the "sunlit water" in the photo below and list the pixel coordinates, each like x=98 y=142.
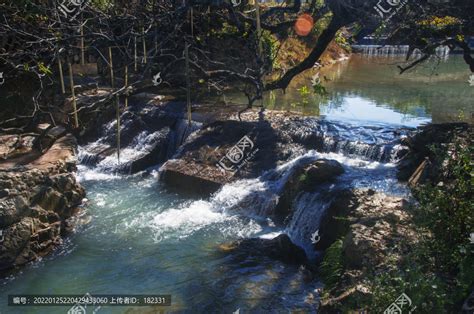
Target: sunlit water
x=371 y=89
x=139 y=238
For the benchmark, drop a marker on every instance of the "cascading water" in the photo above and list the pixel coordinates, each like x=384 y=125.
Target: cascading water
x=140 y=238
x=391 y=50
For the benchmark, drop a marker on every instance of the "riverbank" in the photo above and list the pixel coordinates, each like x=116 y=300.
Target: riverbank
x=386 y=246
x=39 y=194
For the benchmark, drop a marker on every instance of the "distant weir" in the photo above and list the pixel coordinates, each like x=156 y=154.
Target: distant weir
x=392 y=50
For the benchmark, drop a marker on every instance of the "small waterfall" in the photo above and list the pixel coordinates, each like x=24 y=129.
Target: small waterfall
x=144 y=143
x=393 y=50
x=370 y=143
x=309 y=208
x=182 y=130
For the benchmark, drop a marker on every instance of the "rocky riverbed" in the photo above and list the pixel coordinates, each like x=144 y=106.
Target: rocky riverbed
x=305 y=175
x=39 y=194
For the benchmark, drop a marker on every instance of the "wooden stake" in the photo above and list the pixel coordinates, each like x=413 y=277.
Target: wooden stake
x=192 y=21
x=117 y=111
x=126 y=85
x=144 y=47
x=188 y=87
x=156 y=38
x=82 y=46
x=74 y=104
x=259 y=27
x=135 y=56
x=111 y=65
x=61 y=76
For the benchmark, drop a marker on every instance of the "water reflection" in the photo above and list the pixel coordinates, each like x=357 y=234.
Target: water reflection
x=372 y=89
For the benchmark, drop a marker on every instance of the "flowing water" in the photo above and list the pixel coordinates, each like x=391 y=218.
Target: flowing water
x=139 y=238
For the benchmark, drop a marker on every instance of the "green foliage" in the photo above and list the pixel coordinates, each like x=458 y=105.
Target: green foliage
x=270 y=46
x=102 y=4
x=342 y=41
x=439 y=271
x=44 y=69
x=320 y=25
x=332 y=265
x=302 y=178
x=304 y=91
x=446 y=210
x=319 y=89
x=425 y=290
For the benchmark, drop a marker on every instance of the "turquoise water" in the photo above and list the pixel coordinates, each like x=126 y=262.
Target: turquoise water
x=135 y=237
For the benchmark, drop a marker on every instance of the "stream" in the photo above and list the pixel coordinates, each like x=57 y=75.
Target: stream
x=140 y=238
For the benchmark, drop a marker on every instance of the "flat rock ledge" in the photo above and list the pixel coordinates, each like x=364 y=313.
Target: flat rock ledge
x=39 y=196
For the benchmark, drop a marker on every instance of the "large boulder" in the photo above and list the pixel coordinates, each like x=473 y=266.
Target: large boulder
x=225 y=151
x=39 y=195
x=303 y=179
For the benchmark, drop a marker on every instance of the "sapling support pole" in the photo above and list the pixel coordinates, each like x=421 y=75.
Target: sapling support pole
x=73 y=95
x=83 y=59
x=144 y=46
x=191 y=13
x=61 y=76
x=117 y=111
x=135 y=55
x=188 y=84
x=111 y=66
x=126 y=85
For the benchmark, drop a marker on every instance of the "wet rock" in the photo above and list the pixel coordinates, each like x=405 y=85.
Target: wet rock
x=280 y=248
x=336 y=219
x=230 y=150
x=306 y=178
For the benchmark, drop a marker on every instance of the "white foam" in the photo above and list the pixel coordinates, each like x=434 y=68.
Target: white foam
x=87 y=174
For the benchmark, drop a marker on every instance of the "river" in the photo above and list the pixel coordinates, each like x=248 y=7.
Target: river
x=138 y=238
